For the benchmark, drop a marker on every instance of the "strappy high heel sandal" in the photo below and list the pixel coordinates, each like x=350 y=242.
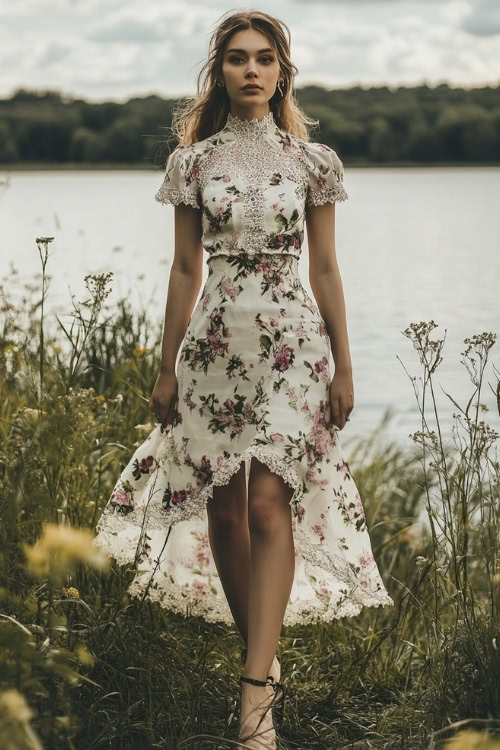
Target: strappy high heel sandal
x=263 y=737
x=276 y=677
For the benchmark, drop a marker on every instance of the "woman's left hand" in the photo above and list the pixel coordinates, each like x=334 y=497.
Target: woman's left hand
x=341 y=399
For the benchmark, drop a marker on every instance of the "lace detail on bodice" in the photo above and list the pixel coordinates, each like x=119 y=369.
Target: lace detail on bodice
x=262 y=179
x=252 y=181
x=253 y=127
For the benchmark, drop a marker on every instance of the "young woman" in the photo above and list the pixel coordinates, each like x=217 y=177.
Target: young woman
x=240 y=505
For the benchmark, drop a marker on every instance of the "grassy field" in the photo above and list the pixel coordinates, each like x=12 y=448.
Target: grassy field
x=84 y=666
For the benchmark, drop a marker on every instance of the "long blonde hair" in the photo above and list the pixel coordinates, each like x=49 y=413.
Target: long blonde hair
x=196 y=118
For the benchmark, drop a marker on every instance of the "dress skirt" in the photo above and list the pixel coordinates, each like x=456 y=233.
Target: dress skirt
x=253 y=378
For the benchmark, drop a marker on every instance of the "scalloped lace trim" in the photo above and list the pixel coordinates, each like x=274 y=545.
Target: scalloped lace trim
x=170 y=194
x=214 y=609
x=327 y=195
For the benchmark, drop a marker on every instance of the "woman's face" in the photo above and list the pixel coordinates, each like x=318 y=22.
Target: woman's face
x=250 y=58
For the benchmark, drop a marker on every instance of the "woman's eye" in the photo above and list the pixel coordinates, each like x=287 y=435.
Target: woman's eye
x=235 y=59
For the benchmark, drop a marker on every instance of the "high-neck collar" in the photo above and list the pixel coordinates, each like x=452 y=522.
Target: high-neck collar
x=251 y=127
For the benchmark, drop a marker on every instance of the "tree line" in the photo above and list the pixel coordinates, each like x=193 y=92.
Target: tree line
x=419 y=124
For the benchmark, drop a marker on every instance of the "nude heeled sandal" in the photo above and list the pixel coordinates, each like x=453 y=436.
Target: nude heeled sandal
x=263 y=737
x=244 y=658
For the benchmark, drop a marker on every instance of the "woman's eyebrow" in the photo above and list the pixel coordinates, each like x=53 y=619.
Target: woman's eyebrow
x=259 y=52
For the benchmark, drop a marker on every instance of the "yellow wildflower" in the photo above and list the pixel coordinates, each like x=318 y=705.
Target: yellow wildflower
x=60 y=549
x=472 y=740
x=84 y=655
x=71 y=592
x=13 y=707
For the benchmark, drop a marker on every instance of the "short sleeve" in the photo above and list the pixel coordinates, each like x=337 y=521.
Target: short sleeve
x=326 y=175
x=180 y=183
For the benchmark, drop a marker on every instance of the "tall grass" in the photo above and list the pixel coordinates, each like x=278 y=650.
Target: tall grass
x=84 y=666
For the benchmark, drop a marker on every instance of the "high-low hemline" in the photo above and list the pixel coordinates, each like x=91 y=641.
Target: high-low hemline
x=181 y=598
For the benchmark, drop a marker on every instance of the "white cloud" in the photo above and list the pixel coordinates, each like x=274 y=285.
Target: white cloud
x=114 y=49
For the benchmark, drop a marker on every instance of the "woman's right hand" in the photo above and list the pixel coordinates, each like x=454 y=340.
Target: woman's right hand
x=163 y=400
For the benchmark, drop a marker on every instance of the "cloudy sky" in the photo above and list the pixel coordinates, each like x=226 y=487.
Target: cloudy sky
x=114 y=49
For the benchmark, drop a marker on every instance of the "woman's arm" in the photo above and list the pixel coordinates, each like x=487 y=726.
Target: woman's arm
x=184 y=283
x=326 y=284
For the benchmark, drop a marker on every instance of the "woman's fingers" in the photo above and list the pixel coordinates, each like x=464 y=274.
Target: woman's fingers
x=339 y=412
x=335 y=411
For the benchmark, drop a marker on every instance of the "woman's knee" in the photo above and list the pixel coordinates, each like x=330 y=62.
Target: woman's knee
x=225 y=516
x=267 y=515
x=227 y=508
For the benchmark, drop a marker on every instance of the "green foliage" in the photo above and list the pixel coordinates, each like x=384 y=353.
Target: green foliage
x=365 y=125
x=83 y=665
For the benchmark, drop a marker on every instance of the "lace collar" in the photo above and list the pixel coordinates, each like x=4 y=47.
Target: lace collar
x=251 y=127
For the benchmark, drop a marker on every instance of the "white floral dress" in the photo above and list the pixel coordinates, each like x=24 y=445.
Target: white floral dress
x=253 y=381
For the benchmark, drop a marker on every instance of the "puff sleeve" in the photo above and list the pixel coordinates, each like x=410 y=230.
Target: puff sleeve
x=326 y=175
x=180 y=183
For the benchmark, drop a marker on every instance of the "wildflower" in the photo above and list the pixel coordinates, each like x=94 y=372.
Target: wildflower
x=31 y=415
x=468 y=740
x=13 y=707
x=15 y=729
x=60 y=549
x=71 y=592
x=420 y=562
x=84 y=655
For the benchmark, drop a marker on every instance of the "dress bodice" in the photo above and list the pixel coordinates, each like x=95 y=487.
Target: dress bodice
x=252 y=181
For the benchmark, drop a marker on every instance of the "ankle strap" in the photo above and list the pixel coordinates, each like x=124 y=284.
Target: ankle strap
x=260 y=683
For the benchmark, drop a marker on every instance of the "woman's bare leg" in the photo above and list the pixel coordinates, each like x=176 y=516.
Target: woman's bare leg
x=230 y=544
x=272 y=568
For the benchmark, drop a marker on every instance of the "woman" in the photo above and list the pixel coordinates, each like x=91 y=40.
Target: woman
x=240 y=504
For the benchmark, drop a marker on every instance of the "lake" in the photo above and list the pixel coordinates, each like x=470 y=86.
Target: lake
x=413 y=244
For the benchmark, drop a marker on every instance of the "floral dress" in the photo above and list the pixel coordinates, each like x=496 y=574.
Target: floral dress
x=253 y=376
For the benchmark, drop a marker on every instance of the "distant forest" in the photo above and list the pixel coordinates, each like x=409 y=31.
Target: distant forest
x=376 y=125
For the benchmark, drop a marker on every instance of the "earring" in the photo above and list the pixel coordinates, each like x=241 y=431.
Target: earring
x=279 y=87
x=220 y=84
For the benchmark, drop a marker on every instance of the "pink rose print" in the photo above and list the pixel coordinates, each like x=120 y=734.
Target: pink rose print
x=283 y=357
x=188 y=400
x=206 y=299
x=179 y=497
x=144 y=466
x=277 y=437
x=264 y=266
x=123 y=501
x=299 y=330
x=365 y=559
x=322 y=369
x=248 y=411
x=228 y=289
x=324 y=593
x=313 y=479
x=199 y=589
x=203 y=555
x=359 y=505
x=319 y=529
